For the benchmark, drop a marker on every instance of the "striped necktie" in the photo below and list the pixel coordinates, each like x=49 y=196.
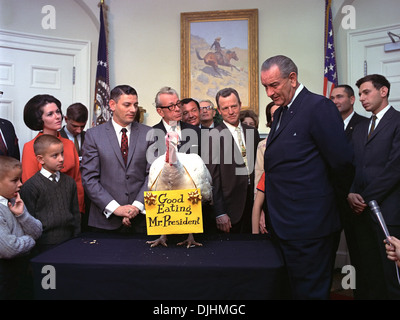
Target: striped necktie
x=53 y=177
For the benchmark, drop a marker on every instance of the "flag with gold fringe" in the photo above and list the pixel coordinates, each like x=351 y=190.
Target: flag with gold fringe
x=102 y=111
x=330 y=74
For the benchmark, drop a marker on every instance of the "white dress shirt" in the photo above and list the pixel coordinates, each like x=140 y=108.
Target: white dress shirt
x=113 y=205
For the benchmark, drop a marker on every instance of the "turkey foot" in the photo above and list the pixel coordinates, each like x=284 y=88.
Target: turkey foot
x=161 y=240
x=190 y=242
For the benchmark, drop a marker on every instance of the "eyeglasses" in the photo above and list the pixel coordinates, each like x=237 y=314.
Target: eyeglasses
x=171 y=107
x=206 y=108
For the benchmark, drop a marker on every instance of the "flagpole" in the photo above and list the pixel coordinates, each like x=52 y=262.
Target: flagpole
x=101 y=110
x=330 y=73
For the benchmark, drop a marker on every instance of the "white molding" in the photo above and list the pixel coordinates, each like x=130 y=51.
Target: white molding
x=357 y=40
x=80 y=50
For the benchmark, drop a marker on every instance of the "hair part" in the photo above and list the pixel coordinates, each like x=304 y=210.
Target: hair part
x=164 y=90
x=43 y=142
x=77 y=112
x=226 y=92
x=378 y=81
x=285 y=65
x=121 y=90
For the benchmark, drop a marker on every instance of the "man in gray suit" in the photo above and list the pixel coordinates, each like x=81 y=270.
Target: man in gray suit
x=114 y=166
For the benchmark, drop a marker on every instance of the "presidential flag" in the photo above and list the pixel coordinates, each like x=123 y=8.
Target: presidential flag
x=102 y=112
x=330 y=74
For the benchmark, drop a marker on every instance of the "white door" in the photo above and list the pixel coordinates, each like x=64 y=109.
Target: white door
x=367 y=56
x=24 y=74
x=31 y=65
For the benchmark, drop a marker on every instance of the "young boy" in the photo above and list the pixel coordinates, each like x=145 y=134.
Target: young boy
x=18 y=229
x=51 y=196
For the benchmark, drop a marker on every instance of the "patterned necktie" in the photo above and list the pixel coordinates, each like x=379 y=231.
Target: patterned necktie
x=124 y=145
x=372 y=126
x=242 y=150
x=53 y=177
x=3 y=148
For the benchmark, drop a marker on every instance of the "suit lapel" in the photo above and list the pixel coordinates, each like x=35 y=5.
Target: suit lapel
x=382 y=123
x=132 y=141
x=113 y=141
x=291 y=112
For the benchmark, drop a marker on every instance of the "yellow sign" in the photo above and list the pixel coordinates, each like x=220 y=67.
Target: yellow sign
x=173 y=212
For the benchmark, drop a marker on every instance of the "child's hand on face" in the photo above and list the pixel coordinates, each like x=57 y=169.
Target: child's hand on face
x=18 y=207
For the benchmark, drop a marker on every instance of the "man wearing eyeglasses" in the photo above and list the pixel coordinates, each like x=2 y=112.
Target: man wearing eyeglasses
x=168 y=107
x=207 y=114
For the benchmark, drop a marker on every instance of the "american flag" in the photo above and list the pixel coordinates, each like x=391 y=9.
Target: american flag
x=102 y=111
x=330 y=74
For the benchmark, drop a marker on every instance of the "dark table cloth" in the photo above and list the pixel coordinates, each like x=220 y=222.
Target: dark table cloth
x=103 y=266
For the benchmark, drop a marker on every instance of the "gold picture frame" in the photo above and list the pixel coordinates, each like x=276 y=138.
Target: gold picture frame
x=220 y=49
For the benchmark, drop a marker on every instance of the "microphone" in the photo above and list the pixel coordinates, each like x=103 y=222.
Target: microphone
x=377 y=211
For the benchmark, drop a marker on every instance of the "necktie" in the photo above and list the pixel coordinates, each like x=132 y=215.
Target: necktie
x=284 y=109
x=124 y=145
x=3 y=148
x=53 y=177
x=372 y=126
x=77 y=145
x=242 y=147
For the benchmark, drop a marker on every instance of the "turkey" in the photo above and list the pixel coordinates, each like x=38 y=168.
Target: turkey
x=176 y=171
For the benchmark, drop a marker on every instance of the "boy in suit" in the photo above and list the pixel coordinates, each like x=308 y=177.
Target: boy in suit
x=18 y=229
x=377 y=158
x=51 y=196
x=76 y=118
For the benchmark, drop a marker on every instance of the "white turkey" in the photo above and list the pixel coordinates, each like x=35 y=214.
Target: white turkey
x=177 y=171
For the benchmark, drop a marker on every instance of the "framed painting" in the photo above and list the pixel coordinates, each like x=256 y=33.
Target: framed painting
x=220 y=49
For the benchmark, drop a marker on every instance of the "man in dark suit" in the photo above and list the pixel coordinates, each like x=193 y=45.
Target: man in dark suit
x=8 y=140
x=343 y=97
x=377 y=158
x=75 y=119
x=305 y=149
x=232 y=153
x=168 y=107
x=115 y=168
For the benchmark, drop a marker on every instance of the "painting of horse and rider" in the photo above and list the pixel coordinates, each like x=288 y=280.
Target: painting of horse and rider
x=219 y=58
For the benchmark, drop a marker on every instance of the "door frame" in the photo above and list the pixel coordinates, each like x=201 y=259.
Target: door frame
x=357 y=41
x=80 y=50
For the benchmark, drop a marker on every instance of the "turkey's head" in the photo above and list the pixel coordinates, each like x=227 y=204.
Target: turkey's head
x=171 y=141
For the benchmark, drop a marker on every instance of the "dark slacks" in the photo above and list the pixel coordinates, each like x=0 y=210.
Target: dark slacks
x=309 y=264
